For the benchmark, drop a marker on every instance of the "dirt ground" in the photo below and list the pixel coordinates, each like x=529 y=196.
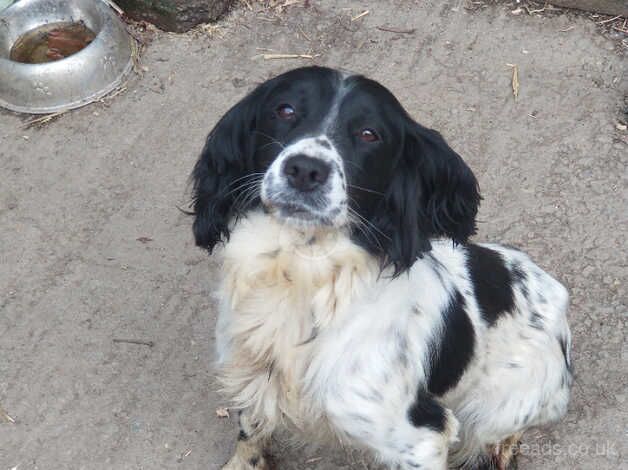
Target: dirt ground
x=93 y=247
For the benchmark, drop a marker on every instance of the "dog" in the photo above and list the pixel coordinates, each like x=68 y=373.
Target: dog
x=352 y=304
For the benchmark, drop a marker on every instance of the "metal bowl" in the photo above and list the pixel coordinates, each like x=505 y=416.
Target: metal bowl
x=73 y=81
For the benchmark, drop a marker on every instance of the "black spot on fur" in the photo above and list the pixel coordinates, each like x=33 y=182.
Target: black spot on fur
x=451 y=352
x=313 y=335
x=563 y=347
x=242 y=436
x=518 y=274
x=253 y=461
x=359 y=417
x=426 y=412
x=536 y=320
x=437 y=267
x=492 y=282
x=324 y=143
x=519 y=279
x=370 y=395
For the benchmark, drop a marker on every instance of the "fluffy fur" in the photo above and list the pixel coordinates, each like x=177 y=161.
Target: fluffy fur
x=352 y=301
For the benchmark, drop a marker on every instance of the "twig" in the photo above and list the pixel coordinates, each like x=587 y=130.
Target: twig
x=248 y=5
x=395 y=30
x=105 y=100
x=114 y=6
x=515 y=80
x=540 y=10
x=285 y=56
x=42 y=120
x=610 y=20
x=304 y=34
x=150 y=344
x=287 y=3
x=364 y=13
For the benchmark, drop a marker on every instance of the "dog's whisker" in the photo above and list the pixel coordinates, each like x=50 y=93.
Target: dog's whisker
x=242 y=200
x=271 y=138
x=249 y=176
x=369 y=223
x=269 y=144
x=359 y=167
x=364 y=229
x=244 y=186
x=365 y=189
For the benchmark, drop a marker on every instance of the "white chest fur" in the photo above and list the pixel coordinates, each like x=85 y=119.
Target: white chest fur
x=282 y=288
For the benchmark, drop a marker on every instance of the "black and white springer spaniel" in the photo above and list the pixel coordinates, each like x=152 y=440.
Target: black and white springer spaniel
x=352 y=303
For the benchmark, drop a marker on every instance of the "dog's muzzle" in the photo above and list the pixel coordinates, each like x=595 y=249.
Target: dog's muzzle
x=305 y=184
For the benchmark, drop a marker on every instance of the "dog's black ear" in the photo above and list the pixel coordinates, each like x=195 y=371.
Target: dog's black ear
x=432 y=194
x=220 y=174
x=450 y=196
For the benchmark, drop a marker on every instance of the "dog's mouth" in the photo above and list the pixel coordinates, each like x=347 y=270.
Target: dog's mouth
x=297 y=214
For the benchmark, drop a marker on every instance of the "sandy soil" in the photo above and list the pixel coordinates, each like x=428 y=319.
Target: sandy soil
x=93 y=248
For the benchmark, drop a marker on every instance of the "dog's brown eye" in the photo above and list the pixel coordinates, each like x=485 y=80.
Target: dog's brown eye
x=285 y=111
x=369 y=135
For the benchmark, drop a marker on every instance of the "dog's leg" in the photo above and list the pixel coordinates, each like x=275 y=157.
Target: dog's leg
x=505 y=453
x=406 y=439
x=249 y=453
x=421 y=445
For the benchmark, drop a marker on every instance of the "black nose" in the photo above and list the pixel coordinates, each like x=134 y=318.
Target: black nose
x=305 y=173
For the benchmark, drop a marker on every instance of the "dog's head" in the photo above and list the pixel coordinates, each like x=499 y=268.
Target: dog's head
x=316 y=147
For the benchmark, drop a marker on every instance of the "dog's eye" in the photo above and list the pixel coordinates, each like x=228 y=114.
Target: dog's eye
x=369 y=135
x=285 y=111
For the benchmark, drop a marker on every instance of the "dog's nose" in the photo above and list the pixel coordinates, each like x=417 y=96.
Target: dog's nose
x=305 y=173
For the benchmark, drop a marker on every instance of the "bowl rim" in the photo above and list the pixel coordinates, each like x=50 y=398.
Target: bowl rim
x=72 y=104
x=110 y=24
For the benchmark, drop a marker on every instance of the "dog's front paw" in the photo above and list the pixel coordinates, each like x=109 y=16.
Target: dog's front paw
x=247 y=457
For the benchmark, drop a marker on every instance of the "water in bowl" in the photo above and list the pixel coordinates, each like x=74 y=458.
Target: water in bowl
x=50 y=42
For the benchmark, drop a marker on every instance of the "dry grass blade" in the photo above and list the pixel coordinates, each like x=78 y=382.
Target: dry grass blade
x=361 y=15
x=288 y=3
x=285 y=56
x=135 y=55
x=6 y=416
x=43 y=120
x=538 y=10
x=396 y=30
x=140 y=342
x=106 y=100
x=610 y=20
x=515 y=80
x=621 y=30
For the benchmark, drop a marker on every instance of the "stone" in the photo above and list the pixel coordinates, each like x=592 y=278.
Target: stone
x=606 y=7
x=175 y=15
